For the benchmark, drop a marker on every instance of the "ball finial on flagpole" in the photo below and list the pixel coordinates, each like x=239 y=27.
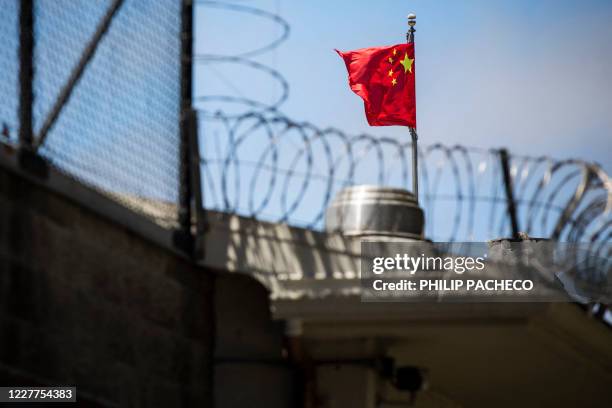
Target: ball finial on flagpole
x=411 y=24
x=411 y=19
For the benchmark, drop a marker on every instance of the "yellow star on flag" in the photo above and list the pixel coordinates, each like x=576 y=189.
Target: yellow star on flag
x=407 y=63
x=390 y=72
x=394 y=81
x=390 y=60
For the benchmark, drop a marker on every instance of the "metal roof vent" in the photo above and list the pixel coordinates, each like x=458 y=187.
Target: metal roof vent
x=372 y=210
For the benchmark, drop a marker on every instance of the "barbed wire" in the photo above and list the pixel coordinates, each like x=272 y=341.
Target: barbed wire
x=270 y=167
x=245 y=59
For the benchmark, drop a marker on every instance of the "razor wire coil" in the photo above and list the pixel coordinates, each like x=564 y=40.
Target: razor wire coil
x=250 y=168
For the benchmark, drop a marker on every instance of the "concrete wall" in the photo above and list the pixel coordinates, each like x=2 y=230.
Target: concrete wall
x=87 y=302
x=250 y=368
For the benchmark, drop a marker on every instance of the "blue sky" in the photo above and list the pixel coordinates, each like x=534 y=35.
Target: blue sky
x=533 y=76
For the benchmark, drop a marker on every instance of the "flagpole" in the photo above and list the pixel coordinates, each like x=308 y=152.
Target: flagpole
x=413 y=133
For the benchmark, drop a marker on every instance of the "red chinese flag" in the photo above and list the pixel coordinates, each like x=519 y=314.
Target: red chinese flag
x=384 y=78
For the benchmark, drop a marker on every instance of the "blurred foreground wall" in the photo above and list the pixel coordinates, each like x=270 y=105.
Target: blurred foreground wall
x=83 y=301
x=86 y=302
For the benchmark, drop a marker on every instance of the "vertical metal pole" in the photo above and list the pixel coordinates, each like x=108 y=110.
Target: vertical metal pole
x=511 y=205
x=26 y=72
x=185 y=185
x=413 y=133
x=415 y=165
x=196 y=186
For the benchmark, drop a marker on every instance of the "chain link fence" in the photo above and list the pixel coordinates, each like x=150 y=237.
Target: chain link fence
x=9 y=69
x=106 y=95
x=119 y=132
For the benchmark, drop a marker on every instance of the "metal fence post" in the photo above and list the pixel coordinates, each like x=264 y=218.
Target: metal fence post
x=199 y=215
x=27 y=157
x=511 y=204
x=26 y=72
x=184 y=238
